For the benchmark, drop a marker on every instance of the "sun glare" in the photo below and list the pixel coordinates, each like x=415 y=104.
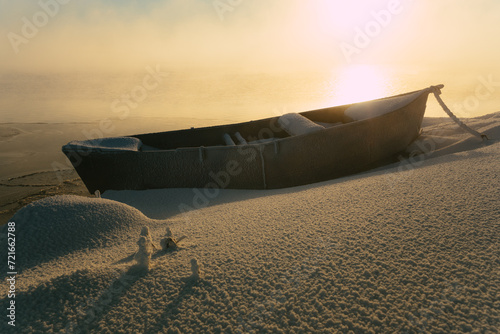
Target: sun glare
x=359 y=83
x=342 y=17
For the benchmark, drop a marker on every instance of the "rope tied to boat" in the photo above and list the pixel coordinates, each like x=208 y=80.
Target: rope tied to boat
x=437 y=92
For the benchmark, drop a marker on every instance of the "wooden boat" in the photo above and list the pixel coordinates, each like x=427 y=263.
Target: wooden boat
x=262 y=154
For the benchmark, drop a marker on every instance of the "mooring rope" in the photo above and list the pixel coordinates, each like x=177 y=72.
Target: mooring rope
x=437 y=91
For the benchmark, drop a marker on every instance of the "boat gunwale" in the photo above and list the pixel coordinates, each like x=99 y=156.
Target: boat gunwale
x=425 y=90
x=272 y=142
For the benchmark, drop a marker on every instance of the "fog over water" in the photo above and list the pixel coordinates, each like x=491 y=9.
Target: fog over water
x=68 y=61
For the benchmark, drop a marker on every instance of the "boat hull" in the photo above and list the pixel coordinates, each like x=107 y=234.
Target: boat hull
x=289 y=161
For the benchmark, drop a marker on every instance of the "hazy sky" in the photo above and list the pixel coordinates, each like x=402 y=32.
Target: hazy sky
x=251 y=34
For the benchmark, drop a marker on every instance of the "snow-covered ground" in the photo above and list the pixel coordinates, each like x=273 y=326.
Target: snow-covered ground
x=408 y=248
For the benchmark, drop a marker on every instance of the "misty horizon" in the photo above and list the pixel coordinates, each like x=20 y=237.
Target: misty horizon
x=52 y=35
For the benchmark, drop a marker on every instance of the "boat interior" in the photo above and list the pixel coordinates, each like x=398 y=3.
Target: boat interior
x=248 y=133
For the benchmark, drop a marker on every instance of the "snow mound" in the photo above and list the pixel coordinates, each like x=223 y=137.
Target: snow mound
x=58 y=225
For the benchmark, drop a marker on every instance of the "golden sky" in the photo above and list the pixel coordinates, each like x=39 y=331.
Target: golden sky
x=256 y=35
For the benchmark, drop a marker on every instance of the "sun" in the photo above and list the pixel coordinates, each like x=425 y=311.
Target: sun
x=357 y=83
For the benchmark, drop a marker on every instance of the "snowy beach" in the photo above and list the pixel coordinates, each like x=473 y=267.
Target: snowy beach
x=412 y=247
x=224 y=166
